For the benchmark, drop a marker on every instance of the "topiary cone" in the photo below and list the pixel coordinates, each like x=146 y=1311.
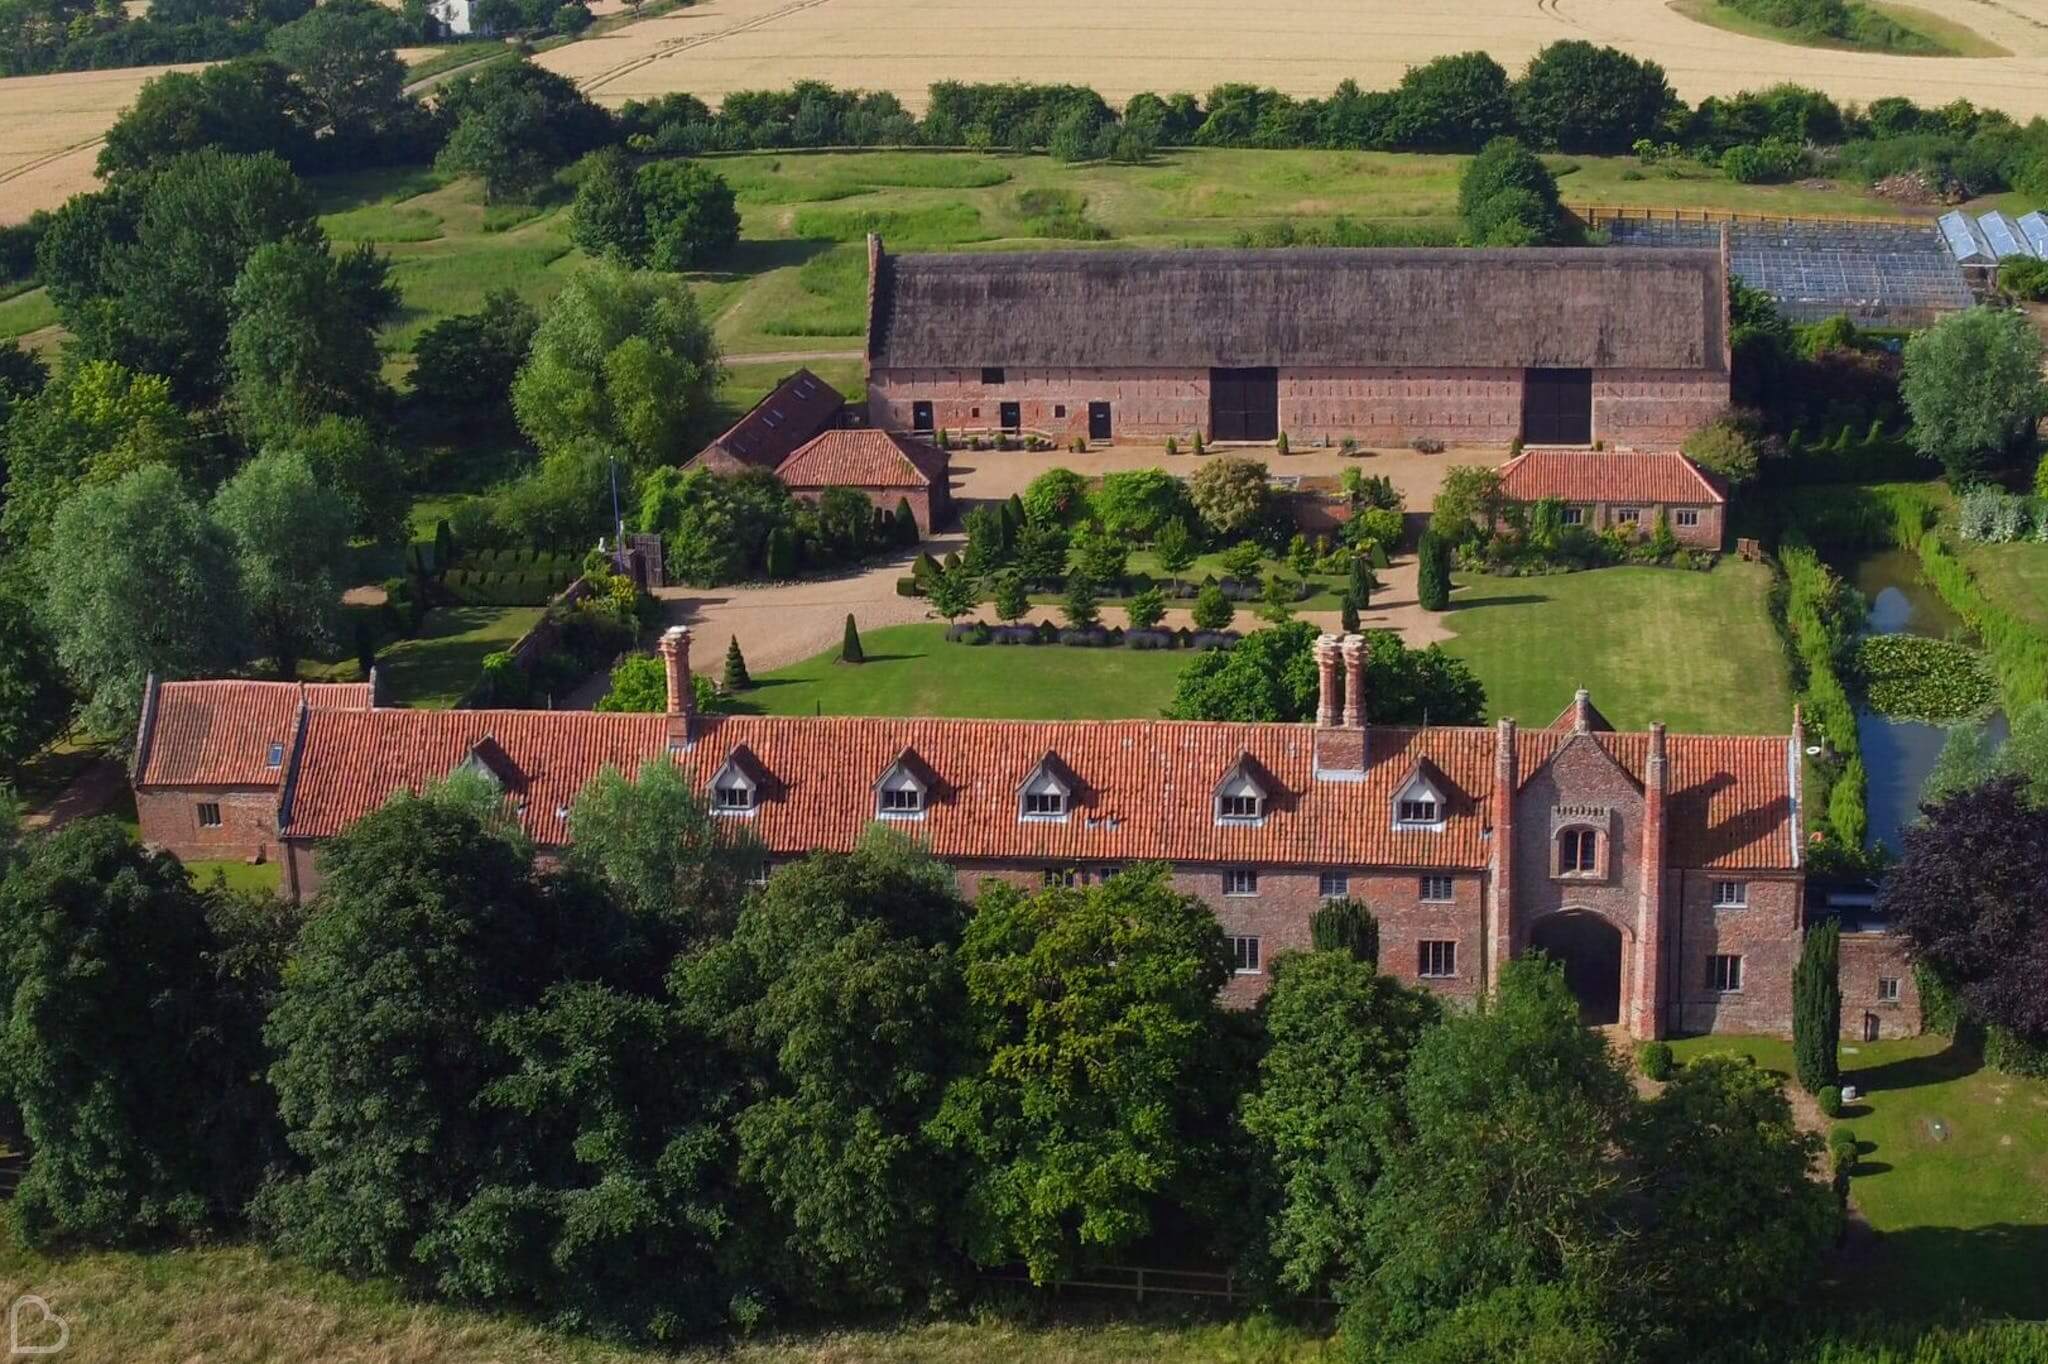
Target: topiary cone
x=849 y=648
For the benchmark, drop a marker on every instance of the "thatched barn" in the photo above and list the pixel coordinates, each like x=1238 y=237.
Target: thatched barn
x=1557 y=346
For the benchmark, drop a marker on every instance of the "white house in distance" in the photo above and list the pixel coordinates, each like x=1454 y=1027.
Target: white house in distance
x=456 y=16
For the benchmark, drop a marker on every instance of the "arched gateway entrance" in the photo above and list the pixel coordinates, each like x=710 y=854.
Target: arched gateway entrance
x=1590 y=948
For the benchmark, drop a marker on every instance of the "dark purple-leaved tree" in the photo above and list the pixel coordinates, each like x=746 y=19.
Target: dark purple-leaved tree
x=1971 y=897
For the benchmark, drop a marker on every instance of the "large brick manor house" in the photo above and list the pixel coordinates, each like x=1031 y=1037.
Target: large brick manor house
x=1664 y=869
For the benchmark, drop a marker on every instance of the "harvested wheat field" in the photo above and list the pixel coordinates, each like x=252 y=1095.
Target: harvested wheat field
x=1301 y=46
x=50 y=131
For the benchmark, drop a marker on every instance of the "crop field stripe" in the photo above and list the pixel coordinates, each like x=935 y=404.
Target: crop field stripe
x=674 y=46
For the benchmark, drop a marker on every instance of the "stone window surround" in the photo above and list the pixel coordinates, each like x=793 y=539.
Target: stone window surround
x=1595 y=819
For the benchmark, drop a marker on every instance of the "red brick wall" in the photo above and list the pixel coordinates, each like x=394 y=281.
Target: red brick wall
x=169 y=819
x=1378 y=407
x=1765 y=934
x=1866 y=959
x=1706 y=535
x=885 y=499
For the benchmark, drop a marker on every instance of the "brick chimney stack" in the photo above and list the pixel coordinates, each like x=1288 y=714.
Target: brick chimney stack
x=675 y=655
x=1352 y=649
x=1506 y=777
x=1582 y=711
x=1649 y=1012
x=1328 y=706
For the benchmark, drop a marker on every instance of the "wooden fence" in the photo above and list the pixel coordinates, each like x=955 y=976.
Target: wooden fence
x=1592 y=215
x=1139 y=1281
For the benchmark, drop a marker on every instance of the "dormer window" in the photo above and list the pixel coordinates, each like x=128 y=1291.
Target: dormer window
x=274 y=756
x=1238 y=807
x=1047 y=795
x=1418 y=804
x=1241 y=797
x=735 y=790
x=902 y=791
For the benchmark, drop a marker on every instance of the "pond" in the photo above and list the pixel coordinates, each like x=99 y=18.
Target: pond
x=1898 y=754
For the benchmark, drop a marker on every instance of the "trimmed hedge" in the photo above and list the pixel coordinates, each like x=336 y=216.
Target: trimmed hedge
x=1045 y=632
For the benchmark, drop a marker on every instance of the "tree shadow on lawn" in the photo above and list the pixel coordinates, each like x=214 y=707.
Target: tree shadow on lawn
x=1954 y=1062
x=1993 y=1270
x=1526 y=599
x=758 y=255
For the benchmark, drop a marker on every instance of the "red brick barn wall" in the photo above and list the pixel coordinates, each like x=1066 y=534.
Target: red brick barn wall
x=1580 y=775
x=169 y=818
x=1866 y=959
x=1765 y=933
x=1394 y=406
x=1143 y=402
x=885 y=499
x=1649 y=408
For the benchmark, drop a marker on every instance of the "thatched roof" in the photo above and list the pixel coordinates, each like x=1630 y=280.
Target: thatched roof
x=1604 y=308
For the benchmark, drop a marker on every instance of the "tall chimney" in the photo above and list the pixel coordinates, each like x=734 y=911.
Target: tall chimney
x=1506 y=778
x=675 y=654
x=1649 y=1011
x=1328 y=706
x=1582 y=711
x=1352 y=648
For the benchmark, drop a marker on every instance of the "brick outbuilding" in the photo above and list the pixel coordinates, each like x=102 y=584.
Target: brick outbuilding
x=1625 y=488
x=211 y=759
x=796 y=410
x=1563 y=346
x=888 y=467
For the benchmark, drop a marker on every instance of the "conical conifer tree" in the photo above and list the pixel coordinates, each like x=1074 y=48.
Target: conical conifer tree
x=849 y=648
x=736 y=678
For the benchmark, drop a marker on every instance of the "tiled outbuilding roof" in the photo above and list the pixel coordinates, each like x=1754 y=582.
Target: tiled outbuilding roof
x=1143 y=789
x=865 y=459
x=224 y=733
x=1609 y=476
x=799 y=407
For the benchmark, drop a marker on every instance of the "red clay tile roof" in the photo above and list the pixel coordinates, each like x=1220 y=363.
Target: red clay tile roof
x=800 y=406
x=1604 y=476
x=864 y=459
x=220 y=733
x=1143 y=788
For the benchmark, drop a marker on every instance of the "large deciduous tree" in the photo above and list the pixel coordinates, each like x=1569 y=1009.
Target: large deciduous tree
x=1229 y=494
x=428 y=929
x=1973 y=386
x=137 y=579
x=690 y=214
x=133 y=1065
x=1970 y=896
x=351 y=78
x=290 y=533
x=625 y=358
x=516 y=124
x=841 y=994
x=246 y=106
x=1095 y=1015
x=1271 y=675
x=466 y=364
x=35 y=701
x=362 y=466
x=668 y=862
x=1576 y=97
x=1339 y=1035
x=1508 y=197
x=303 y=343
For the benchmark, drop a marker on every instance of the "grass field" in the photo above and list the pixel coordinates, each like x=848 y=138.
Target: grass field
x=238 y=875
x=1694 y=650
x=1943 y=37
x=1952 y=1175
x=435 y=668
x=2015 y=576
x=235 y=1305
x=912 y=670
x=1303 y=47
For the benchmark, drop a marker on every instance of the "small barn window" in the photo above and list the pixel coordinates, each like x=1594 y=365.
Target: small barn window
x=209 y=814
x=992 y=376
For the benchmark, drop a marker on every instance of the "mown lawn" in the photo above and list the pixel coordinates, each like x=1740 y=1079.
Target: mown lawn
x=912 y=670
x=1694 y=650
x=238 y=875
x=434 y=669
x=1953 y=1175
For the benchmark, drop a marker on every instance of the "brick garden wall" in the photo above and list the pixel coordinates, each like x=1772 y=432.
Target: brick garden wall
x=169 y=819
x=884 y=499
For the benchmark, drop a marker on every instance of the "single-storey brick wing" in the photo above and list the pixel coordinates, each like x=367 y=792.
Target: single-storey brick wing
x=1557 y=346
x=1626 y=488
x=888 y=467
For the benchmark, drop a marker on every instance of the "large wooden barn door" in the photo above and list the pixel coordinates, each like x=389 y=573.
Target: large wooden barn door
x=1557 y=407
x=1244 y=404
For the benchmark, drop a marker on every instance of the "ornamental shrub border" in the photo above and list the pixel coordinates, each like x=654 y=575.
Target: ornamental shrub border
x=977 y=632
